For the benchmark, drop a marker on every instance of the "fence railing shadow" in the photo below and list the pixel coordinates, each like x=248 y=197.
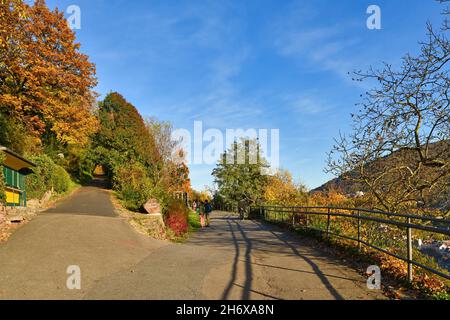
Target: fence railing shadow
x=353 y=224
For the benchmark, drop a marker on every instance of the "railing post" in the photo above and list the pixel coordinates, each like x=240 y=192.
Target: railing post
x=359 y=231
x=260 y=212
x=328 y=224
x=306 y=220
x=293 y=219
x=410 y=250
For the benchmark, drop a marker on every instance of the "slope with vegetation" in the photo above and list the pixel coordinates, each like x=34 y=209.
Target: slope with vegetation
x=350 y=184
x=47 y=101
x=49 y=113
x=398 y=149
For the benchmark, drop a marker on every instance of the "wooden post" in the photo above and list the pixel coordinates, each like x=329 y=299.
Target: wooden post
x=306 y=220
x=410 y=250
x=359 y=231
x=328 y=224
x=293 y=219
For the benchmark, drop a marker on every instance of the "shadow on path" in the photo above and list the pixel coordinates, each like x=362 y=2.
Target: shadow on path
x=313 y=265
x=248 y=240
x=235 y=262
x=260 y=261
x=248 y=264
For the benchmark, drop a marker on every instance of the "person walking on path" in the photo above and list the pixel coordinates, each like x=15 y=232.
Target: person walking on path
x=200 y=211
x=208 y=210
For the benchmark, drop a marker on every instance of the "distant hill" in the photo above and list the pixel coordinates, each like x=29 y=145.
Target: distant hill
x=348 y=187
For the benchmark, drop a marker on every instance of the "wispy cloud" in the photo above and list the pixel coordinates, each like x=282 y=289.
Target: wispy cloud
x=291 y=41
x=307 y=103
x=205 y=38
x=324 y=46
x=223 y=103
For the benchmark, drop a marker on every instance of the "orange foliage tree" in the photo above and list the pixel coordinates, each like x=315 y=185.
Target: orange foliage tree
x=330 y=198
x=282 y=190
x=45 y=82
x=173 y=175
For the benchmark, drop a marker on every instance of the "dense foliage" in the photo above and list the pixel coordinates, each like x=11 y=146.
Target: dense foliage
x=48 y=176
x=45 y=82
x=239 y=175
x=282 y=190
x=173 y=174
x=133 y=184
x=241 y=180
x=125 y=149
x=123 y=130
x=47 y=101
x=138 y=156
x=177 y=217
x=201 y=196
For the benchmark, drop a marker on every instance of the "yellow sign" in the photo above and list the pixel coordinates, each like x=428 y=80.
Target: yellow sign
x=12 y=197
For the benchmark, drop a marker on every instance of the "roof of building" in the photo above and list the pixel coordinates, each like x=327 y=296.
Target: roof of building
x=14 y=154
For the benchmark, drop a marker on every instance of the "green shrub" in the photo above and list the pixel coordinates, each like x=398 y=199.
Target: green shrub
x=86 y=168
x=47 y=176
x=163 y=196
x=132 y=184
x=61 y=180
x=14 y=136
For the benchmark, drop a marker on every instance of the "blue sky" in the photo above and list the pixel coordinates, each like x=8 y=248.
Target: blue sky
x=248 y=64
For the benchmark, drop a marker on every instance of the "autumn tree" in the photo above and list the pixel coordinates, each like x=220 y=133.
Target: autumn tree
x=239 y=174
x=126 y=150
x=173 y=175
x=162 y=134
x=45 y=82
x=282 y=190
x=399 y=149
x=201 y=196
x=123 y=136
x=330 y=198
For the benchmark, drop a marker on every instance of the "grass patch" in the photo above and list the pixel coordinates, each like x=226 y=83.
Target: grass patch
x=441 y=296
x=194 y=222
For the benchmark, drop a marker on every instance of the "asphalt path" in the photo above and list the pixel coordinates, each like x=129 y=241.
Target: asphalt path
x=232 y=259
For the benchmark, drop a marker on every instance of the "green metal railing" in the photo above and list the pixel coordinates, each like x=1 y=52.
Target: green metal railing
x=302 y=216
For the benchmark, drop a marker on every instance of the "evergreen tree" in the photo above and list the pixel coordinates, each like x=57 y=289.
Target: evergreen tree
x=239 y=174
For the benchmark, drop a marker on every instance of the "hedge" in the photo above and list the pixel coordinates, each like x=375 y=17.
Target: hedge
x=47 y=176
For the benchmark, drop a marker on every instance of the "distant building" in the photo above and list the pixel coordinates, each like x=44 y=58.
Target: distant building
x=15 y=168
